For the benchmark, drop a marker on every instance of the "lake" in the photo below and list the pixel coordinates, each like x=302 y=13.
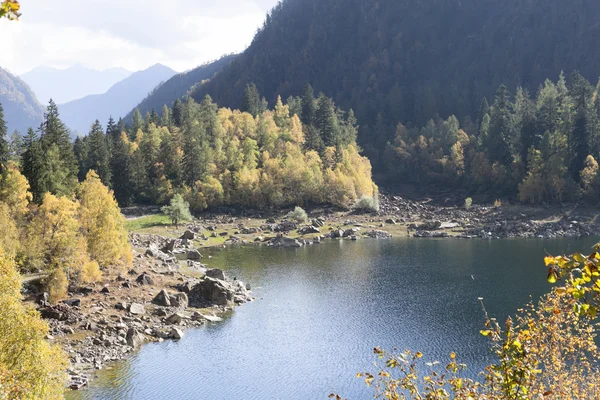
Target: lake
x=320 y=310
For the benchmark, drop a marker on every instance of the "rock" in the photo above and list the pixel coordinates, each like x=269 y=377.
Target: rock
x=73 y=302
x=215 y=274
x=176 y=334
x=162 y=299
x=211 y=291
x=145 y=279
x=189 y=235
x=121 y=305
x=350 y=232
x=212 y=318
x=390 y=221
x=379 y=234
x=337 y=233
x=86 y=290
x=172 y=245
x=134 y=338
x=249 y=231
x=42 y=299
x=318 y=222
x=194 y=255
x=286 y=226
x=179 y=300
x=175 y=319
x=430 y=226
x=137 y=309
x=152 y=251
x=105 y=290
x=309 y=229
x=285 y=242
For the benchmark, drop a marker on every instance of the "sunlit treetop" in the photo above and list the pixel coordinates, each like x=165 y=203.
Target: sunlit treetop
x=10 y=9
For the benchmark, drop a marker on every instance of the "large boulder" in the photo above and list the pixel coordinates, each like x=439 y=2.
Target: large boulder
x=309 y=229
x=175 y=319
x=134 y=338
x=215 y=273
x=172 y=245
x=194 y=255
x=176 y=334
x=285 y=242
x=189 y=235
x=211 y=291
x=162 y=299
x=145 y=279
x=179 y=300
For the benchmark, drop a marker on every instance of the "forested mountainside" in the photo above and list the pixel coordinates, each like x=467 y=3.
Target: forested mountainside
x=180 y=84
x=21 y=107
x=79 y=114
x=75 y=82
x=409 y=61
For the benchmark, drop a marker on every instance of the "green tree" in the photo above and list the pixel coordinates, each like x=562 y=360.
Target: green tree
x=178 y=210
x=98 y=154
x=137 y=123
x=31 y=163
x=326 y=121
x=4 y=149
x=252 y=102
x=308 y=105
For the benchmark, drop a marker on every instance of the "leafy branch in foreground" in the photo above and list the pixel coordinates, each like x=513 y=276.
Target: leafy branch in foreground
x=10 y=9
x=547 y=351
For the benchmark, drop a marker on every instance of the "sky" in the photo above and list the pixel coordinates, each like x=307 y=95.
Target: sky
x=132 y=34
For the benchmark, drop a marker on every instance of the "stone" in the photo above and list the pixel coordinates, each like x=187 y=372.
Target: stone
x=285 y=242
x=350 y=232
x=172 y=245
x=379 y=235
x=194 y=255
x=212 y=291
x=179 y=300
x=216 y=274
x=391 y=221
x=134 y=338
x=176 y=334
x=162 y=299
x=309 y=229
x=430 y=226
x=189 y=235
x=145 y=279
x=105 y=290
x=42 y=299
x=337 y=233
x=152 y=251
x=212 y=318
x=73 y=302
x=121 y=305
x=175 y=319
x=137 y=309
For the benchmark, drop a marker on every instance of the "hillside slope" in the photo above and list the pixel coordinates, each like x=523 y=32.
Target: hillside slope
x=179 y=85
x=21 y=108
x=80 y=114
x=411 y=61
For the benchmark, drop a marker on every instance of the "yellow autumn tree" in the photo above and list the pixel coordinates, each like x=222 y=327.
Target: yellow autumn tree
x=9 y=234
x=14 y=190
x=30 y=368
x=103 y=224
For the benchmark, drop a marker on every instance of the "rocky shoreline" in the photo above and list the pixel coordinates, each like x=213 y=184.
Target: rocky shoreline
x=156 y=300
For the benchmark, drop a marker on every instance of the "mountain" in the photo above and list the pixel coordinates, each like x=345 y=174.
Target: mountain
x=410 y=61
x=80 y=114
x=21 y=108
x=64 y=85
x=180 y=84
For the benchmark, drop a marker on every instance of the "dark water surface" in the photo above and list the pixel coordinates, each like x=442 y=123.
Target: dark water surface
x=322 y=309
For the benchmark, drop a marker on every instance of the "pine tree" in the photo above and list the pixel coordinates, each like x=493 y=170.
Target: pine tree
x=15 y=146
x=54 y=133
x=154 y=118
x=308 y=105
x=98 y=154
x=31 y=162
x=137 y=123
x=177 y=113
x=81 y=150
x=4 y=150
x=113 y=134
x=326 y=121
x=165 y=119
x=121 y=172
x=252 y=102
x=502 y=144
x=579 y=142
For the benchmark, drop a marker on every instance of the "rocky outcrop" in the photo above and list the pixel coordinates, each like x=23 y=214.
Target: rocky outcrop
x=375 y=234
x=219 y=292
x=282 y=241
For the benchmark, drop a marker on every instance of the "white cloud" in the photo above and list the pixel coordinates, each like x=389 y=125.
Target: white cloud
x=133 y=34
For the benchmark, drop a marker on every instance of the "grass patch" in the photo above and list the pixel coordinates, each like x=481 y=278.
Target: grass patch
x=150 y=221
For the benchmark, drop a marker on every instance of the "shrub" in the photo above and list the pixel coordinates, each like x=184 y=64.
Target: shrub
x=298 y=215
x=178 y=210
x=367 y=204
x=498 y=203
x=468 y=203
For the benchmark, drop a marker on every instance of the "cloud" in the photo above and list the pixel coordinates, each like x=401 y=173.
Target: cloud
x=129 y=33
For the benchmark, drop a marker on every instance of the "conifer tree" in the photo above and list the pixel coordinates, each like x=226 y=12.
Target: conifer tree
x=31 y=163
x=308 y=105
x=326 y=121
x=4 y=150
x=165 y=119
x=98 y=154
x=252 y=103
x=121 y=171
x=137 y=123
x=177 y=113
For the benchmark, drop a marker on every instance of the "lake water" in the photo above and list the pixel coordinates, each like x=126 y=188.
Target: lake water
x=321 y=310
